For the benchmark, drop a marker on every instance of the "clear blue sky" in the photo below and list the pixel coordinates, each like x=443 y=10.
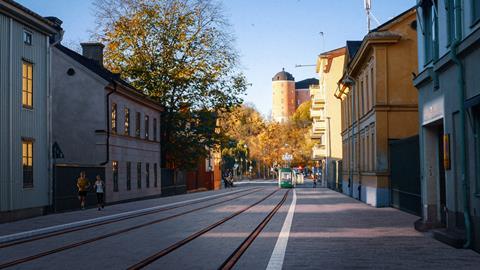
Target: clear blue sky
x=271 y=34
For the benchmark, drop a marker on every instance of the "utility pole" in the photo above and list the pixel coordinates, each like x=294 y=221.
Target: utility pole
x=323 y=40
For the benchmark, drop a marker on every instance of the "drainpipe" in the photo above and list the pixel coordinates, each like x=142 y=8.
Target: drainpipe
x=351 y=84
x=10 y=115
x=461 y=89
x=107 y=110
x=52 y=164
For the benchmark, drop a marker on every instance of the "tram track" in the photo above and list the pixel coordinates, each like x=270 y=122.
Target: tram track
x=88 y=226
x=235 y=256
x=118 y=232
x=232 y=259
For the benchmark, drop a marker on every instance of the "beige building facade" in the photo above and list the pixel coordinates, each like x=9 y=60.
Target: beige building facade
x=326 y=116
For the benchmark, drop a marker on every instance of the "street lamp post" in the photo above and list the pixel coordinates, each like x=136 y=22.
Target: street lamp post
x=329 y=152
x=241 y=168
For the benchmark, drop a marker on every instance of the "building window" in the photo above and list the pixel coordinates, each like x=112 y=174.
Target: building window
x=155 y=129
x=372 y=145
x=147 y=126
x=27 y=162
x=127 y=121
x=372 y=91
x=129 y=175
x=115 y=175
x=155 y=175
x=430 y=31
x=147 y=175
x=475 y=11
x=114 y=118
x=139 y=175
x=449 y=7
x=27 y=37
x=137 y=124
x=27 y=85
x=362 y=94
x=367 y=94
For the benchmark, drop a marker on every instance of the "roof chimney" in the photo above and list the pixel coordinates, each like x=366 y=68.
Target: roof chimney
x=93 y=51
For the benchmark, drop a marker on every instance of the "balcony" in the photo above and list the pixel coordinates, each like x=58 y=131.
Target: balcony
x=315 y=135
x=318 y=126
x=318 y=99
x=319 y=151
x=316 y=113
x=314 y=89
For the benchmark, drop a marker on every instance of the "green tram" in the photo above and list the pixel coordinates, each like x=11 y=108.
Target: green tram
x=286 y=178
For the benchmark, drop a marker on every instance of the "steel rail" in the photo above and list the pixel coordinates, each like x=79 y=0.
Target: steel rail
x=97 y=238
x=235 y=256
x=88 y=226
x=149 y=260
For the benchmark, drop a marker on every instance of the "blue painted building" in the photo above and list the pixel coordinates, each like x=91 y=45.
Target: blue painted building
x=26 y=40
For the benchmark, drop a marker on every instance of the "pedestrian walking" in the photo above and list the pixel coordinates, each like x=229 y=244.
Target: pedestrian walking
x=314 y=181
x=82 y=184
x=99 y=187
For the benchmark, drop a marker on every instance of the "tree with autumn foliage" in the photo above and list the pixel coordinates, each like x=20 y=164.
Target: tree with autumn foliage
x=179 y=53
x=267 y=141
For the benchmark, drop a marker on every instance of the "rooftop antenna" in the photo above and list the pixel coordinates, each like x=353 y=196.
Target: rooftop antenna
x=368 y=7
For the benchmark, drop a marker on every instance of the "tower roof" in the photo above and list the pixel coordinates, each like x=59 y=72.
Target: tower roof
x=283 y=76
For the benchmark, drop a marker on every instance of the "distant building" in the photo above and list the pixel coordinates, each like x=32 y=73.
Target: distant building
x=287 y=94
x=302 y=90
x=104 y=126
x=379 y=105
x=326 y=115
x=26 y=41
x=448 y=86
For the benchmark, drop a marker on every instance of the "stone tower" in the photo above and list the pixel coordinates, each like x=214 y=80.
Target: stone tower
x=283 y=96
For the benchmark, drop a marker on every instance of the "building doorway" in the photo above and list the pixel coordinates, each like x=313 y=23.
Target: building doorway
x=441 y=178
x=433 y=186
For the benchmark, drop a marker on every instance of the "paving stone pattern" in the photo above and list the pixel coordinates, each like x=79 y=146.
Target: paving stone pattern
x=333 y=231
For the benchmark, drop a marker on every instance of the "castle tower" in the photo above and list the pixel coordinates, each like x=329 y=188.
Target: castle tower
x=283 y=96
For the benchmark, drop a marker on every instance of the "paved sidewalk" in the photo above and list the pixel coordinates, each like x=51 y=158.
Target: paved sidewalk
x=81 y=215
x=333 y=231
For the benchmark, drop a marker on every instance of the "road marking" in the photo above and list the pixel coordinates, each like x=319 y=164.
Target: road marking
x=45 y=230
x=278 y=254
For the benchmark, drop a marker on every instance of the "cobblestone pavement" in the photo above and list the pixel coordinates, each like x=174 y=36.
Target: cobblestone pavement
x=333 y=231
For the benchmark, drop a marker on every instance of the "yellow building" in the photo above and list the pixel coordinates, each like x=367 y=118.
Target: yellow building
x=326 y=115
x=378 y=103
